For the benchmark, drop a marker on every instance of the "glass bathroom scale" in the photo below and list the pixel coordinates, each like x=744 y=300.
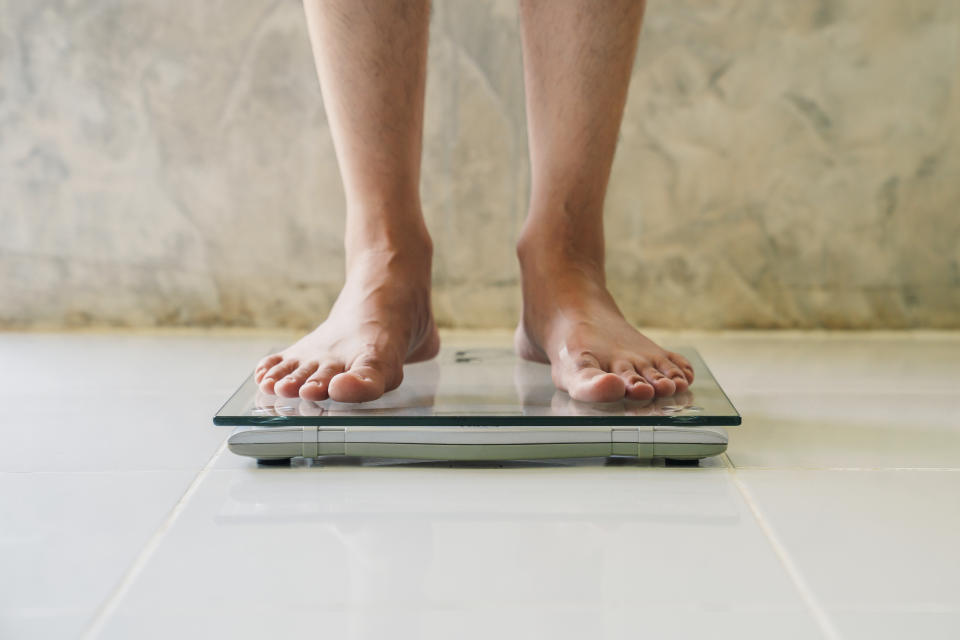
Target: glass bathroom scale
x=482 y=404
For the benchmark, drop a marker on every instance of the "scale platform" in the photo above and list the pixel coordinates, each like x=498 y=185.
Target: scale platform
x=482 y=405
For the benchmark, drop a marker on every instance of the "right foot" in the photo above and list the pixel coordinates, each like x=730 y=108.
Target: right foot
x=381 y=319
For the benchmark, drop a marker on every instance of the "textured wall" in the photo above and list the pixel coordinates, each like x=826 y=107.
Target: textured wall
x=781 y=164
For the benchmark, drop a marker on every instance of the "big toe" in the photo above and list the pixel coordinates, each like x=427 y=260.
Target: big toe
x=351 y=386
x=600 y=387
x=366 y=380
x=592 y=384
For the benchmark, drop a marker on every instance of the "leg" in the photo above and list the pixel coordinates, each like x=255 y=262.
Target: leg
x=371 y=60
x=577 y=60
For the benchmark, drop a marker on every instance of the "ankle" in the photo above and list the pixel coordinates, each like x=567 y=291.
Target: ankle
x=410 y=260
x=552 y=247
x=397 y=234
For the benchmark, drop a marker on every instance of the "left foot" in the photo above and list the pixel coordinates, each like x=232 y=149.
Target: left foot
x=571 y=322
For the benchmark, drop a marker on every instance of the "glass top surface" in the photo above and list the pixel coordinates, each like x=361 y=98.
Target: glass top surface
x=484 y=387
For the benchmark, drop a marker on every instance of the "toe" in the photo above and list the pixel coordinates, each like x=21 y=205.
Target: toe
x=365 y=380
x=663 y=385
x=683 y=364
x=265 y=365
x=672 y=371
x=585 y=380
x=276 y=372
x=636 y=387
x=289 y=385
x=316 y=386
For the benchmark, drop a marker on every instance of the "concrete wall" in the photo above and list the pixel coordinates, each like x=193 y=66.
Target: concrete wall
x=781 y=164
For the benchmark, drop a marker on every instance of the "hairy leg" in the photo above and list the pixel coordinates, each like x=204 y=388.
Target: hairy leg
x=371 y=60
x=578 y=56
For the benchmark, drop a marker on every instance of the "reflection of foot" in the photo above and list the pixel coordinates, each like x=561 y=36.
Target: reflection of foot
x=263 y=404
x=271 y=405
x=381 y=319
x=533 y=389
x=562 y=404
x=571 y=321
x=678 y=401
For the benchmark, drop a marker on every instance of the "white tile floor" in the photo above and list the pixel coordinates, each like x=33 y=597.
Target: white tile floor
x=835 y=513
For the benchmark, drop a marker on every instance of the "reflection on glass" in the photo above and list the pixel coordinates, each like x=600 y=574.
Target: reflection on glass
x=488 y=387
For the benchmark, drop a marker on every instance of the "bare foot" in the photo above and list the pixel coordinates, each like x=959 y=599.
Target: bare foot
x=571 y=321
x=381 y=319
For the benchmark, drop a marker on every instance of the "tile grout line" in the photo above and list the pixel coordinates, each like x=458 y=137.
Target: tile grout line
x=799 y=582
x=136 y=567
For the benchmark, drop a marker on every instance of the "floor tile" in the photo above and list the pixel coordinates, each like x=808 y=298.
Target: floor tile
x=546 y=549
x=117 y=401
x=66 y=540
x=126 y=432
x=877 y=548
x=108 y=364
x=849 y=430
x=886 y=624
x=893 y=364
x=468 y=622
x=421 y=546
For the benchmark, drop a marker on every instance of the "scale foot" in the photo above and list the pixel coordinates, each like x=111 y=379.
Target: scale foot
x=273 y=462
x=682 y=462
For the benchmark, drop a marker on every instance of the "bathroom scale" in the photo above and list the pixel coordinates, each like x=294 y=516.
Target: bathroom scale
x=483 y=404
